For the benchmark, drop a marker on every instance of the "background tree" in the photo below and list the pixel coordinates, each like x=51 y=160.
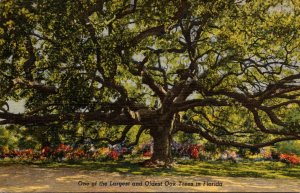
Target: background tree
x=226 y=70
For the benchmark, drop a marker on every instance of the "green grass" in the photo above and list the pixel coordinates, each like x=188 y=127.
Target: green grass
x=263 y=169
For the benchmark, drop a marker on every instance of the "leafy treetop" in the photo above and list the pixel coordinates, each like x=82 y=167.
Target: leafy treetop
x=228 y=70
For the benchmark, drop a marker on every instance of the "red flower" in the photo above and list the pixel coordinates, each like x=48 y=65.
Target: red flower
x=113 y=155
x=124 y=150
x=80 y=153
x=28 y=151
x=46 y=151
x=147 y=154
x=63 y=147
x=290 y=158
x=195 y=153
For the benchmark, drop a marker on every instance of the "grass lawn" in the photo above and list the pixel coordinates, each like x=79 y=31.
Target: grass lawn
x=262 y=169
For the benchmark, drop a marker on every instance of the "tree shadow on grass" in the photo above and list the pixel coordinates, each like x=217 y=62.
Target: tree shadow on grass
x=265 y=169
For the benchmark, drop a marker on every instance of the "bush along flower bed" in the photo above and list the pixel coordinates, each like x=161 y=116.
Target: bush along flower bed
x=65 y=152
x=25 y=154
x=191 y=151
x=290 y=159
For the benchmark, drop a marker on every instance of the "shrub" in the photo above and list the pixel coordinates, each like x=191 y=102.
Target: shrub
x=113 y=155
x=46 y=151
x=195 y=153
x=61 y=151
x=290 y=158
x=147 y=154
x=76 y=154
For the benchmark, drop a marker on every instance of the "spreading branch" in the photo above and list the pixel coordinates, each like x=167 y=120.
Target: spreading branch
x=193 y=129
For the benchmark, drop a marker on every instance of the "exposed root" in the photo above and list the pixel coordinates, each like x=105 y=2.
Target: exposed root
x=157 y=164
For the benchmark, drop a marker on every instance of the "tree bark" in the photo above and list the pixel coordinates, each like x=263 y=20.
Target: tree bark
x=161 y=146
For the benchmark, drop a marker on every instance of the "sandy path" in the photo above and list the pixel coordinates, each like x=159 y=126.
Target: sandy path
x=18 y=178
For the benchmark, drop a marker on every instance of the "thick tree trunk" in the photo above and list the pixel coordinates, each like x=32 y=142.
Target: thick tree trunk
x=162 y=146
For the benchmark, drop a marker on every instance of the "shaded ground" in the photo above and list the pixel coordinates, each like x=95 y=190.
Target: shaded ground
x=31 y=178
x=247 y=168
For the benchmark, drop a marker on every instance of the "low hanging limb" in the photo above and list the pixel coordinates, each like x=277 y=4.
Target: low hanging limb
x=119 y=140
x=123 y=136
x=138 y=135
x=261 y=126
x=24 y=119
x=193 y=129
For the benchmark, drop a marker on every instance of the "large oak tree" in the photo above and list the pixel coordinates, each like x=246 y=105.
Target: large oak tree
x=226 y=70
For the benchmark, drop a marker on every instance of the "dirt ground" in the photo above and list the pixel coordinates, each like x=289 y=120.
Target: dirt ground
x=18 y=178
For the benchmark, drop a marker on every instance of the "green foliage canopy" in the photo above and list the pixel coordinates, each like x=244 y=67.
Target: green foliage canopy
x=227 y=70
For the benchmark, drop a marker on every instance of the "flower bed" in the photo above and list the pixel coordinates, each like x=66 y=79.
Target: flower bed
x=290 y=158
x=66 y=152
